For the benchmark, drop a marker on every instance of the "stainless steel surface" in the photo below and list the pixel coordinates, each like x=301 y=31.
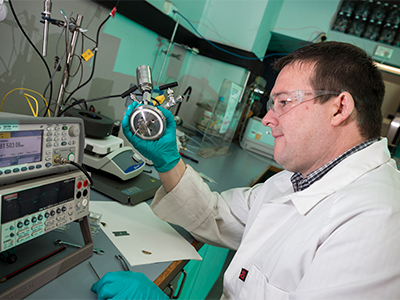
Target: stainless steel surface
x=46 y=14
x=143 y=78
x=147 y=122
x=171 y=100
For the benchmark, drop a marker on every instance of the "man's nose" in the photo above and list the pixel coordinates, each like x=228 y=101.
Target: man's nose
x=269 y=119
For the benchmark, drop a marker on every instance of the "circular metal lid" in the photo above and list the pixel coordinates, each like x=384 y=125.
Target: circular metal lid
x=147 y=122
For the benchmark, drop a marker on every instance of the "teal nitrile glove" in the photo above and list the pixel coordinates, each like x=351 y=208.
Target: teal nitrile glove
x=162 y=152
x=126 y=285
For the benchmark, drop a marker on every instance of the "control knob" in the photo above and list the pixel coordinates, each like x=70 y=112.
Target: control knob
x=73 y=131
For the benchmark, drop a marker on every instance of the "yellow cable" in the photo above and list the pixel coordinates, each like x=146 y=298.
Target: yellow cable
x=17 y=89
x=37 y=104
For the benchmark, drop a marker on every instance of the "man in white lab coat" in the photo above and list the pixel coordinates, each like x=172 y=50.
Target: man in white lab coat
x=328 y=227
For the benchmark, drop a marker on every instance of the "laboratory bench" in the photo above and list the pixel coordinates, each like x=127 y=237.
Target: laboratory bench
x=237 y=168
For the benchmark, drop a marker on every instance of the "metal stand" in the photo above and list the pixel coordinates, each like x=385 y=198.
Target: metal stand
x=67 y=65
x=47 y=274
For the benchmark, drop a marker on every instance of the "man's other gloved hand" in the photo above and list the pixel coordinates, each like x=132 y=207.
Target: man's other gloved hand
x=126 y=285
x=162 y=152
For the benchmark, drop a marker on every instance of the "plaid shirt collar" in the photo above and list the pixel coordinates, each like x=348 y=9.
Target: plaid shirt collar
x=299 y=183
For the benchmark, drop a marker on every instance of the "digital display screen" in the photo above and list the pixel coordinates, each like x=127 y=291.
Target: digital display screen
x=18 y=204
x=20 y=147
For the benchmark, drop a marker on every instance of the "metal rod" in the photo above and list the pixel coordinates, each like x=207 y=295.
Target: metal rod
x=169 y=48
x=46 y=14
x=97 y=275
x=67 y=65
x=246 y=81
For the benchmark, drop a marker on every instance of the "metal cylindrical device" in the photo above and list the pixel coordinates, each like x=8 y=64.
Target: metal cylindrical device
x=147 y=122
x=143 y=77
x=46 y=14
x=144 y=82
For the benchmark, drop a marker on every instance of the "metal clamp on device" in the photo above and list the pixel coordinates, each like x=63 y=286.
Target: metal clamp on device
x=147 y=121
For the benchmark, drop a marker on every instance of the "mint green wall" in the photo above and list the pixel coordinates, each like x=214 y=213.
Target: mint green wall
x=242 y=24
x=268 y=20
x=191 y=9
x=234 y=22
x=302 y=19
x=137 y=46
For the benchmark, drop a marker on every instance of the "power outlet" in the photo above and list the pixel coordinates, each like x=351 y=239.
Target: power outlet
x=383 y=52
x=169 y=8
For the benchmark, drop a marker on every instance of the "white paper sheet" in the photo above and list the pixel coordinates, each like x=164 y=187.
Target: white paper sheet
x=147 y=233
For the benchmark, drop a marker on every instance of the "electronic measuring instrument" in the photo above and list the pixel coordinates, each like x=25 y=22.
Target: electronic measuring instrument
x=29 y=144
x=39 y=191
x=34 y=207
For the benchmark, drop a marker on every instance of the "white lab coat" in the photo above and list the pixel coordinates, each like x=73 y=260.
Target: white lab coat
x=337 y=239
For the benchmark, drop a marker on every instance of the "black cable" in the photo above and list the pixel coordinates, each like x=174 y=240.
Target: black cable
x=187 y=92
x=94 y=61
x=76 y=100
x=83 y=171
x=80 y=67
x=94 y=57
x=55 y=68
x=85 y=101
x=123 y=95
x=34 y=47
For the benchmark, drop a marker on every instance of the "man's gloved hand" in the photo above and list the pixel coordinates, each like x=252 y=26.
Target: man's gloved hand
x=126 y=285
x=162 y=152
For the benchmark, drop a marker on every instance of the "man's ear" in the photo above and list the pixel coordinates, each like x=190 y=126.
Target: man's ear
x=343 y=106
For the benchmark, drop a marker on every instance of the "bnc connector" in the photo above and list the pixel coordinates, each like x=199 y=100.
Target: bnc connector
x=58 y=160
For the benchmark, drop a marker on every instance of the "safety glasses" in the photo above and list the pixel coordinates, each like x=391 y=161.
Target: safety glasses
x=283 y=102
